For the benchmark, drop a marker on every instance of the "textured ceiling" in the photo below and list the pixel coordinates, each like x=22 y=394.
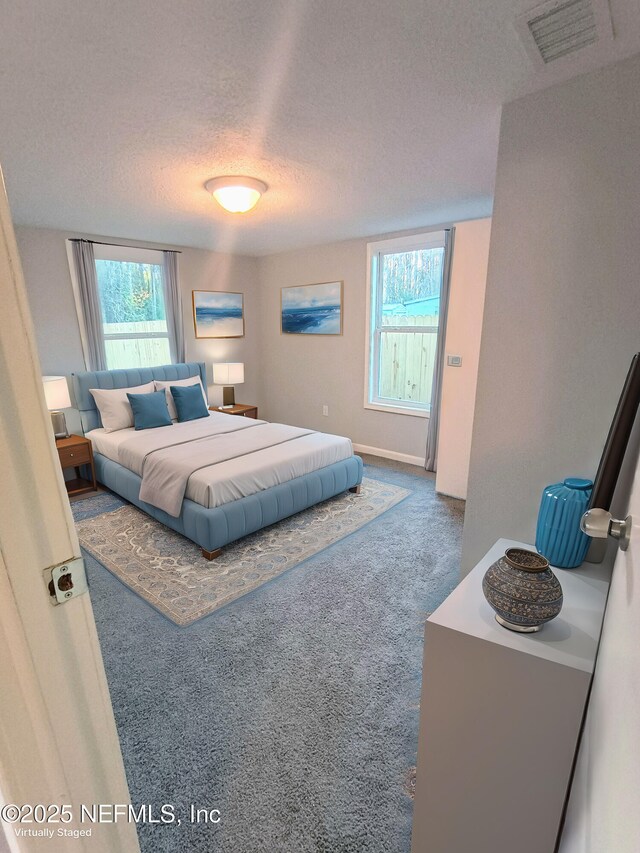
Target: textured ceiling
x=362 y=116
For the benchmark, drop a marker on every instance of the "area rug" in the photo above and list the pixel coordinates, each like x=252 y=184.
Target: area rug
x=170 y=573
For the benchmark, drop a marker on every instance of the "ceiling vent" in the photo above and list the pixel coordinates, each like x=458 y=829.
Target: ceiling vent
x=561 y=27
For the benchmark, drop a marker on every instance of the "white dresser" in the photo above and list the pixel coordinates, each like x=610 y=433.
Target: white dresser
x=500 y=717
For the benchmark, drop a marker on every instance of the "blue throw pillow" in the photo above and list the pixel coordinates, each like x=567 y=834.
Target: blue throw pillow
x=150 y=410
x=190 y=404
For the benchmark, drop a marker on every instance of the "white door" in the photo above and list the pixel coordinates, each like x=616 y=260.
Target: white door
x=603 y=814
x=58 y=741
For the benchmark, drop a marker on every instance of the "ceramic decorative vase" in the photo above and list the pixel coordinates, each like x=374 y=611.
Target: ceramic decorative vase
x=558 y=534
x=522 y=590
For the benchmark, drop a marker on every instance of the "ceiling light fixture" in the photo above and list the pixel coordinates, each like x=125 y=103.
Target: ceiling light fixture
x=235 y=193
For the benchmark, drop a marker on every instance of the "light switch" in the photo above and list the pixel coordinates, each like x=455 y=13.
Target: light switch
x=454 y=360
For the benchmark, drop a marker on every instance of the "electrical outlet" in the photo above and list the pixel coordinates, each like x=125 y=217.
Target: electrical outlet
x=325 y=410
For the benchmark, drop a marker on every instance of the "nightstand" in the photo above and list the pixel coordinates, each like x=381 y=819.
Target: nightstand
x=238 y=409
x=74 y=451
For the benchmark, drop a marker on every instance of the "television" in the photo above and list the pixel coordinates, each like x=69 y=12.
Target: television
x=615 y=446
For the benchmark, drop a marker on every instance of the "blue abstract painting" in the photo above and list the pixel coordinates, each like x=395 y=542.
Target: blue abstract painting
x=312 y=309
x=217 y=314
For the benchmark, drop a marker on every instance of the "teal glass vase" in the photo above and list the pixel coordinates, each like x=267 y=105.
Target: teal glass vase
x=558 y=534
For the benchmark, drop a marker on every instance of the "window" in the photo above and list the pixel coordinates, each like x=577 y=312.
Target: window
x=405 y=281
x=131 y=293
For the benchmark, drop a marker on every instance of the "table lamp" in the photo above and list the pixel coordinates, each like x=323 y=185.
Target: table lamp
x=56 y=393
x=228 y=374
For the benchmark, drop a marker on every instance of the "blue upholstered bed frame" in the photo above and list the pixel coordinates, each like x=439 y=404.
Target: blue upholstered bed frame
x=213 y=528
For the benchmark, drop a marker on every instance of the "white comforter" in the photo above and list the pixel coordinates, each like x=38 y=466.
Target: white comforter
x=217 y=459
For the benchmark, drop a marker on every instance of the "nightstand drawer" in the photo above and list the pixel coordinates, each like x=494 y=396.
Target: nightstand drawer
x=76 y=455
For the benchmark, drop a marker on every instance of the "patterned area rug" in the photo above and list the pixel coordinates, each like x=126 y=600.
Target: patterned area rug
x=169 y=572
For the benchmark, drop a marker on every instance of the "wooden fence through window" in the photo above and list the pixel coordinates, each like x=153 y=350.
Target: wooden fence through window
x=406 y=360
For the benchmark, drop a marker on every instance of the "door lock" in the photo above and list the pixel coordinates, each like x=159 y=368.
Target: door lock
x=66 y=581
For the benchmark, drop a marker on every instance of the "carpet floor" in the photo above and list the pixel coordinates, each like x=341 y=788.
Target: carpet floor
x=294 y=709
x=170 y=572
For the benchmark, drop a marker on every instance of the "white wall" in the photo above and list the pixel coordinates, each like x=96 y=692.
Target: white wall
x=46 y=272
x=562 y=306
x=203 y=270
x=464 y=327
x=301 y=373
x=603 y=813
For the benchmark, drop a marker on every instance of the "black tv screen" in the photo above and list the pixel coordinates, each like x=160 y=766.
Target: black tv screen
x=616 y=444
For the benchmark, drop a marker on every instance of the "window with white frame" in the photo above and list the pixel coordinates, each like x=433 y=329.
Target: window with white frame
x=131 y=293
x=404 y=287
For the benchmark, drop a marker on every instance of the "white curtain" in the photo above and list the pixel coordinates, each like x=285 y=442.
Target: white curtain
x=85 y=266
x=173 y=306
x=431 y=456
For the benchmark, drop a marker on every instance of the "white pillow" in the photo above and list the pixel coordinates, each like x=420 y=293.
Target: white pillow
x=164 y=384
x=114 y=406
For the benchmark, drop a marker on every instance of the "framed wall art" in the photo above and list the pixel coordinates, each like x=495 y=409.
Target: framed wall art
x=218 y=314
x=311 y=309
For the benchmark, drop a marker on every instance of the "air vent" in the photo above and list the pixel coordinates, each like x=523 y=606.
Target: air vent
x=562 y=27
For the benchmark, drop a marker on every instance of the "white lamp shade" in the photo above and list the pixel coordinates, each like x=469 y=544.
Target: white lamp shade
x=228 y=373
x=236 y=199
x=237 y=194
x=56 y=393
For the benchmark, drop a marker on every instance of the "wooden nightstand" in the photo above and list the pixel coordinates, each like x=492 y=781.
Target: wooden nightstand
x=238 y=409
x=74 y=451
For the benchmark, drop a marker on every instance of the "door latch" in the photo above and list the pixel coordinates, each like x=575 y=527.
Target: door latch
x=66 y=581
x=598 y=523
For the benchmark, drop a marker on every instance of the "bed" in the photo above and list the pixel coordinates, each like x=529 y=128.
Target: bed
x=245 y=475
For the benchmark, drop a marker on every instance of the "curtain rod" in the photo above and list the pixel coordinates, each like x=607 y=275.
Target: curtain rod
x=120 y=245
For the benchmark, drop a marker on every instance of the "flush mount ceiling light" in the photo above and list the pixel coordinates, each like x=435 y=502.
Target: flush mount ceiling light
x=236 y=194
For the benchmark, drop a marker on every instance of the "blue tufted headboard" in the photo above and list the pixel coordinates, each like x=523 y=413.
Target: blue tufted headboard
x=82 y=382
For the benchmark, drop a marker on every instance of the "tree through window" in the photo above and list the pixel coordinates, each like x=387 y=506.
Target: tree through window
x=132 y=301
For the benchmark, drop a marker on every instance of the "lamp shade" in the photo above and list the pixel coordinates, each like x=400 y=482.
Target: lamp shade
x=228 y=373
x=237 y=194
x=56 y=393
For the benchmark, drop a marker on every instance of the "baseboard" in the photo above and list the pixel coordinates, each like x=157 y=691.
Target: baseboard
x=390 y=454
x=449 y=494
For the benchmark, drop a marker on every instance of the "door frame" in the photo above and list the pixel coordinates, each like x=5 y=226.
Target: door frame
x=58 y=739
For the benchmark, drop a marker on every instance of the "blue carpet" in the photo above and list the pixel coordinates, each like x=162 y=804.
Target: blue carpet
x=294 y=709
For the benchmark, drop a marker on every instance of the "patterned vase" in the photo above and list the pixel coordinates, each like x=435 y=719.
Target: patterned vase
x=522 y=590
x=558 y=534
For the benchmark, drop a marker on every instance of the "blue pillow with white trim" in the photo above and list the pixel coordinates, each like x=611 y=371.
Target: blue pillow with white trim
x=150 y=410
x=190 y=404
